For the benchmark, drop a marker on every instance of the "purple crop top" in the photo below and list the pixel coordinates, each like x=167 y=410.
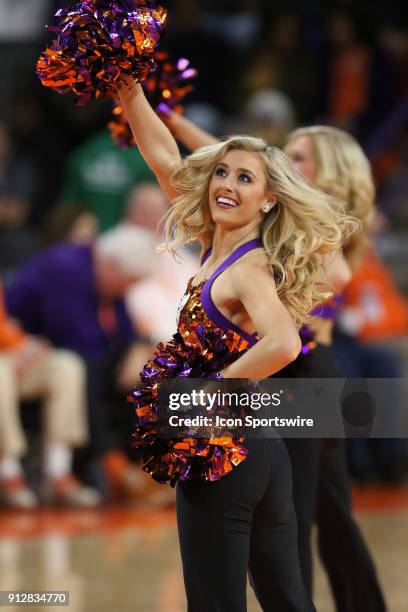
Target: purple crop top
x=326 y=310
x=206 y=300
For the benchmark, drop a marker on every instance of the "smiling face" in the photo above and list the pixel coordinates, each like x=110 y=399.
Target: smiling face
x=301 y=153
x=237 y=190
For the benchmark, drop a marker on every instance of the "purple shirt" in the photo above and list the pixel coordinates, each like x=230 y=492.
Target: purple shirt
x=54 y=295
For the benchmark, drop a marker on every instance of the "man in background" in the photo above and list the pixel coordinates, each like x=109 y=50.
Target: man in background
x=31 y=369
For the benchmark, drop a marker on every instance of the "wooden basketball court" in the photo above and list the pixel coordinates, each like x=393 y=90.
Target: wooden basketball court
x=127 y=560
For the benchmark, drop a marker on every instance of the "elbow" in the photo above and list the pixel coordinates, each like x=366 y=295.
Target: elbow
x=286 y=351
x=292 y=348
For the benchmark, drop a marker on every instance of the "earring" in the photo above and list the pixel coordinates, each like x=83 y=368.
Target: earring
x=266 y=207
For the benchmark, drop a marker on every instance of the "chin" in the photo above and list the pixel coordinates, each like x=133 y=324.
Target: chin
x=225 y=217
x=228 y=224
x=231 y=222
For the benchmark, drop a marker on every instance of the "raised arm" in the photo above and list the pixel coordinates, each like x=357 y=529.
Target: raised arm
x=189 y=134
x=154 y=140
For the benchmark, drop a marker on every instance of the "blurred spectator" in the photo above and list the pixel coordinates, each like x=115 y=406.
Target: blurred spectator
x=100 y=175
x=70 y=224
x=238 y=22
x=384 y=124
x=374 y=317
x=153 y=302
x=269 y=114
x=208 y=52
x=145 y=207
x=17 y=243
x=30 y=369
x=386 y=85
x=206 y=116
x=374 y=310
x=38 y=130
x=349 y=69
x=283 y=61
x=394 y=42
x=16 y=173
x=392 y=168
x=73 y=296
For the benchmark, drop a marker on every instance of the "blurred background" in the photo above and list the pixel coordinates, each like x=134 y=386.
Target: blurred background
x=75 y=206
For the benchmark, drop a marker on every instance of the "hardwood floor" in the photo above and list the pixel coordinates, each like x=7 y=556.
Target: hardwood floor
x=127 y=560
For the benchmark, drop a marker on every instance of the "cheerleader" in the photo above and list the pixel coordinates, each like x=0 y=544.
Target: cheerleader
x=234 y=498
x=264 y=231
x=332 y=160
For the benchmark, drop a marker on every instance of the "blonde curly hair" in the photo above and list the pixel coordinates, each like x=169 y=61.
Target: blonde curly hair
x=344 y=172
x=304 y=225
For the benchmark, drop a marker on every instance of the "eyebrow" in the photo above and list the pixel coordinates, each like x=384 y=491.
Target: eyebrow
x=239 y=169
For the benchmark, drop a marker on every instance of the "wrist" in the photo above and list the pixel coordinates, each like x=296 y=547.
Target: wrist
x=128 y=89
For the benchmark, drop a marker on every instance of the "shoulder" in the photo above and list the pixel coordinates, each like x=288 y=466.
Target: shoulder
x=255 y=262
x=65 y=252
x=252 y=269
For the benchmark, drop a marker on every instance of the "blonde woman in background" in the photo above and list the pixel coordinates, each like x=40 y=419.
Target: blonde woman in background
x=333 y=161
x=264 y=231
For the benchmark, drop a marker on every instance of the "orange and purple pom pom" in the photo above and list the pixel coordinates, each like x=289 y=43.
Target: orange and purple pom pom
x=99 y=43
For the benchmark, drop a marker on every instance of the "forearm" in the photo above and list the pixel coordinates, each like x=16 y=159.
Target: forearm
x=265 y=358
x=153 y=139
x=189 y=134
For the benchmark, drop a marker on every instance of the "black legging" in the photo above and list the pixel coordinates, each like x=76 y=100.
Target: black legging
x=305 y=459
x=245 y=520
x=305 y=456
x=321 y=490
x=343 y=551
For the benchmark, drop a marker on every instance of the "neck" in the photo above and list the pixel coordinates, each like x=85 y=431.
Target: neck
x=226 y=241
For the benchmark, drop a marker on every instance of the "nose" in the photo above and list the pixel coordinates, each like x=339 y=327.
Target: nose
x=228 y=184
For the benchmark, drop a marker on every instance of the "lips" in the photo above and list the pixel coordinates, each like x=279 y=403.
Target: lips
x=226 y=202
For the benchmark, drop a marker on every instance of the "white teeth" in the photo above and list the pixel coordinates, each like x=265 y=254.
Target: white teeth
x=227 y=201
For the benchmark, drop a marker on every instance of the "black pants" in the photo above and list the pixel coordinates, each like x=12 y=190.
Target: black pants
x=342 y=548
x=321 y=490
x=245 y=520
x=305 y=459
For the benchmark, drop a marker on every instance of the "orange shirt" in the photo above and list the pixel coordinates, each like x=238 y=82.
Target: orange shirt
x=11 y=336
x=373 y=292
x=349 y=89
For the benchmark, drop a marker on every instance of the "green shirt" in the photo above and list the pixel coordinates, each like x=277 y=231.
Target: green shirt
x=100 y=176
